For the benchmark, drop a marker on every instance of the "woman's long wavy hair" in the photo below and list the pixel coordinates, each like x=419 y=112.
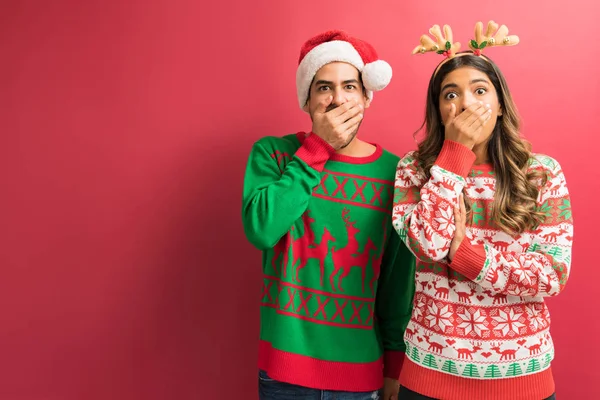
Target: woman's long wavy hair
x=514 y=209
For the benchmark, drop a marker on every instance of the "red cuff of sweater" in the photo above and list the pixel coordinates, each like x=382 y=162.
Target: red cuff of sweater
x=456 y=158
x=469 y=259
x=315 y=152
x=392 y=363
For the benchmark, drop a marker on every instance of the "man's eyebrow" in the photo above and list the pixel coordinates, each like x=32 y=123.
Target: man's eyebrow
x=346 y=82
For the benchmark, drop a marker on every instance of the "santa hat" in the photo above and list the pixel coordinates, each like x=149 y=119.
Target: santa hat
x=335 y=46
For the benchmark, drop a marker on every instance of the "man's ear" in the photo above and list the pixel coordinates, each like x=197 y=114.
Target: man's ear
x=306 y=107
x=367 y=101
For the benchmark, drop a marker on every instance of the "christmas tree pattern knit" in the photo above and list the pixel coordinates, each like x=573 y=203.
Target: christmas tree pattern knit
x=338 y=283
x=479 y=324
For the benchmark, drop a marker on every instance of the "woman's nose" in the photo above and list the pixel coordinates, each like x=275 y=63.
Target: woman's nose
x=466 y=101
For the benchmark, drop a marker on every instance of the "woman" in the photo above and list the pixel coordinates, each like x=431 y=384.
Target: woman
x=490 y=224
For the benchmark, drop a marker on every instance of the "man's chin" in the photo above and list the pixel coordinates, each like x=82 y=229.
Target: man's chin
x=350 y=140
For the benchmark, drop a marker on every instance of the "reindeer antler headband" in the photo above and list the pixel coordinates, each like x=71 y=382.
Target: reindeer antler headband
x=443 y=43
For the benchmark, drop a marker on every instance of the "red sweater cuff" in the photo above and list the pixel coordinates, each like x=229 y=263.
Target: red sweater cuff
x=392 y=363
x=456 y=158
x=315 y=152
x=469 y=259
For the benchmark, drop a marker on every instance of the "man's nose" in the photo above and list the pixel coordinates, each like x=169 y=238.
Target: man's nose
x=339 y=97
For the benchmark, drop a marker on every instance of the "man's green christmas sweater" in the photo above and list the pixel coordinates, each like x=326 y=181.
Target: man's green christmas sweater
x=338 y=282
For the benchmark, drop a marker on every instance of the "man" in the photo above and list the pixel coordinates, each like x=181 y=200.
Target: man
x=338 y=283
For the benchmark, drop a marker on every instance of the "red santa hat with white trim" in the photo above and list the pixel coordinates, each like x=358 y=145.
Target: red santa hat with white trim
x=339 y=46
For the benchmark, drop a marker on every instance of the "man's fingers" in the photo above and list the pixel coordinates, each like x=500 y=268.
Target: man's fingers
x=351 y=123
x=342 y=108
x=389 y=395
x=349 y=113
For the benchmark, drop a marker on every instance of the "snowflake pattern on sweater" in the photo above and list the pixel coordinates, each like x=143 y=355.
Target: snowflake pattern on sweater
x=483 y=316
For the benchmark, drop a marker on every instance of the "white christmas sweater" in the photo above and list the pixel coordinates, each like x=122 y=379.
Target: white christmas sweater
x=479 y=324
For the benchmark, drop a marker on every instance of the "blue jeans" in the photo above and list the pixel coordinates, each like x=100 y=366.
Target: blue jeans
x=270 y=389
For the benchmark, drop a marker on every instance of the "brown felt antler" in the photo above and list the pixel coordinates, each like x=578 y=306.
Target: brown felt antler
x=442 y=44
x=493 y=36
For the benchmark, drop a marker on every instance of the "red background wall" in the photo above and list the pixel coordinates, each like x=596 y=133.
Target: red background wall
x=125 y=128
